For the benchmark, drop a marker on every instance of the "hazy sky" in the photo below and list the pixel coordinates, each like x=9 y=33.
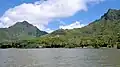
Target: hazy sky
x=50 y=15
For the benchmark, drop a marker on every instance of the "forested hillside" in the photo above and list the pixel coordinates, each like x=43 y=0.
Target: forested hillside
x=20 y=31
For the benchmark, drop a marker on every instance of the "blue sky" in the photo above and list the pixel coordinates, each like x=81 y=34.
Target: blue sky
x=49 y=21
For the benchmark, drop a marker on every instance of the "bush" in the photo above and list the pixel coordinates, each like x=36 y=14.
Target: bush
x=118 y=46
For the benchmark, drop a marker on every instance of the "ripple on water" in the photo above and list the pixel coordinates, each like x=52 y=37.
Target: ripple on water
x=59 y=57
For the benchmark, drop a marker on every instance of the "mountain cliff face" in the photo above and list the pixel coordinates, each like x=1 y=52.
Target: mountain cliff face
x=20 y=30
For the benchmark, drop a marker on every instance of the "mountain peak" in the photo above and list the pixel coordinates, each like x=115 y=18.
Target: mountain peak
x=23 y=22
x=112 y=10
x=112 y=14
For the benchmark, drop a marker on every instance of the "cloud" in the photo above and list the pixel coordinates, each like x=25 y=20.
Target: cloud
x=49 y=30
x=72 y=26
x=41 y=13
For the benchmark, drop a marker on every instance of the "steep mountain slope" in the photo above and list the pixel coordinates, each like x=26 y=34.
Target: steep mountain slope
x=104 y=32
x=21 y=30
x=108 y=24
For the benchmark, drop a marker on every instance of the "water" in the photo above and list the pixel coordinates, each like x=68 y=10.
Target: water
x=59 y=57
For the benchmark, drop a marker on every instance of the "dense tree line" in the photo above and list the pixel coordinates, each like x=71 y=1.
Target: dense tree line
x=63 y=42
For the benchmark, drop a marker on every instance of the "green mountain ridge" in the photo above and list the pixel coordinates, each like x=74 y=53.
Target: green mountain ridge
x=20 y=31
x=108 y=24
x=100 y=33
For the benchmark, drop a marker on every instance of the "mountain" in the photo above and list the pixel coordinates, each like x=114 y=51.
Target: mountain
x=108 y=24
x=20 y=31
x=104 y=32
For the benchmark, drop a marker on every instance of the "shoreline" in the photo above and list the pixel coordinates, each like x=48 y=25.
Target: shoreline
x=65 y=48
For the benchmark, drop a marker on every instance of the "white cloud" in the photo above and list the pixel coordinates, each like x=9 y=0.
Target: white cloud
x=41 y=13
x=49 y=30
x=1 y=25
x=72 y=26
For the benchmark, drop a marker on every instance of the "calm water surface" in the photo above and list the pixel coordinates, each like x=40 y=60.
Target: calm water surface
x=59 y=57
